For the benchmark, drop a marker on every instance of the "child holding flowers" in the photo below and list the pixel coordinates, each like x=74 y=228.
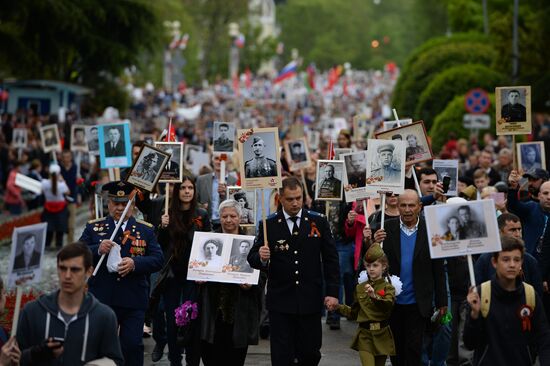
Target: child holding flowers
x=374 y=300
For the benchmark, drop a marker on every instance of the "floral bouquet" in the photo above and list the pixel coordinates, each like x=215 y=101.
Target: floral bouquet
x=185 y=316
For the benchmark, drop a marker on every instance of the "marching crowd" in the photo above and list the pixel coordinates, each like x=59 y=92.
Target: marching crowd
x=326 y=259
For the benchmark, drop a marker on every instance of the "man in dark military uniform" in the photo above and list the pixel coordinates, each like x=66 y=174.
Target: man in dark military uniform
x=357 y=169
x=299 y=253
x=239 y=260
x=223 y=142
x=513 y=111
x=259 y=166
x=297 y=153
x=386 y=170
x=330 y=187
x=127 y=290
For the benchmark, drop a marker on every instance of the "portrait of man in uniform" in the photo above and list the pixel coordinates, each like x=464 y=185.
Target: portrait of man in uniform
x=356 y=169
x=91 y=137
x=29 y=256
x=386 y=169
x=172 y=170
x=239 y=253
x=297 y=152
x=329 y=185
x=223 y=136
x=148 y=168
x=50 y=138
x=513 y=110
x=259 y=165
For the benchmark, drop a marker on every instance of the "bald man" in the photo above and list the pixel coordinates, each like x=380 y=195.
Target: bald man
x=423 y=279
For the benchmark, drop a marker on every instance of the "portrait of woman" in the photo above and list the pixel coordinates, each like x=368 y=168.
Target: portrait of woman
x=247 y=216
x=454 y=231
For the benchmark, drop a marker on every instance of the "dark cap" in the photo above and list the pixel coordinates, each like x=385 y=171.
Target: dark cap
x=386 y=147
x=118 y=191
x=257 y=139
x=537 y=174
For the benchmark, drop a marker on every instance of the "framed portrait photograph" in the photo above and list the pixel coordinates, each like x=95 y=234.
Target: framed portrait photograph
x=20 y=138
x=115 y=147
x=49 y=135
x=414 y=135
x=173 y=170
x=189 y=154
x=513 y=110
x=462 y=228
x=447 y=170
x=247 y=200
x=219 y=257
x=92 y=139
x=224 y=137
x=297 y=154
x=259 y=153
x=313 y=139
x=148 y=168
x=390 y=125
x=361 y=124
x=328 y=182
x=78 y=138
x=338 y=152
x=386 y=166
x=355 y=176
x=27 y=253
x=531 y=155
x=149 y=138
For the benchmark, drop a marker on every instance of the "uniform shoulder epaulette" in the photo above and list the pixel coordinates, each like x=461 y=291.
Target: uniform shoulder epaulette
x=273 y=215
x=315 y=213
x=144 y=223
x=96 y=220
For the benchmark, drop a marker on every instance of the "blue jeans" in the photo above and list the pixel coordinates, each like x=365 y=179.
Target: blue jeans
x=347 y=278
x=437 y=346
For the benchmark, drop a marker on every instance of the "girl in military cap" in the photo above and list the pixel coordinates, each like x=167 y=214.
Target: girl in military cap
x=374 y=300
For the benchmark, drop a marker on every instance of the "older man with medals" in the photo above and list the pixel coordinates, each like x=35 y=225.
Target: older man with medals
x=124 y=288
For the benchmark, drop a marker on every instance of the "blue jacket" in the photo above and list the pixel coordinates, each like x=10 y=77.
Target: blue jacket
x=532 y=217
x=131 y=291
x=91 y=335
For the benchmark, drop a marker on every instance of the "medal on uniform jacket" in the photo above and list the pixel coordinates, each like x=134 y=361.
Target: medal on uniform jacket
x=525 y=313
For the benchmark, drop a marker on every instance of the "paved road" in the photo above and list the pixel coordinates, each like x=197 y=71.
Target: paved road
x=335 y=349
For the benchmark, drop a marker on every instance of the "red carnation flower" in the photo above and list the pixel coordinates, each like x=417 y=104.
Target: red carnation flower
x=381 y=292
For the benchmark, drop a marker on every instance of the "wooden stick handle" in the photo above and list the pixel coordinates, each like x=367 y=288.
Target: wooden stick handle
x=17 y=309
x=365 y=213
x=415 y=178
x=166 y=198
x=263 y=219
x=514 y=155
x=471 y=270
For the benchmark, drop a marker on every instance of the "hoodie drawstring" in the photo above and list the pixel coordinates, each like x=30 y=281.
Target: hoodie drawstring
x=85 y=344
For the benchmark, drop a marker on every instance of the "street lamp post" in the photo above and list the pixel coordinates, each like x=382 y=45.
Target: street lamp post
x=233 y=50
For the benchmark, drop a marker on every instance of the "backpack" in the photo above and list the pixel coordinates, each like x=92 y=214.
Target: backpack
x=486 y=297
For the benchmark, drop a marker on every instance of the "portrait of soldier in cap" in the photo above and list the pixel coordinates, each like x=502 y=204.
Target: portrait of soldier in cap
x=389 y=173
x=259 y=165
x=297 y=152
x=223 y=137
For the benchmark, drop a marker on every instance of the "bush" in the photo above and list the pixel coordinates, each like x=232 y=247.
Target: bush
x=455 y=81
x=432 y=57
x=451 y=120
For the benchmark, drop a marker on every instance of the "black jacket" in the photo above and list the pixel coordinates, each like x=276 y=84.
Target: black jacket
x=298 y=263
x=428 y=274
x=499 y=338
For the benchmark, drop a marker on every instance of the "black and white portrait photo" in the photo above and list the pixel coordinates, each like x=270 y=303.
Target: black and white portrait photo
x=513 y=110
x=531 y=155
x=447 y=168
x=19 y=139
x=189 y=153
x=390 y=125
x=328 y=185
x=26 y=253
x=386 y=167
x=297 y=154
x=114 y=141
x=224 y=136
x=78 y=138
x=356 y=169
x=339 y=151
x=414 y=135
x=148 y=138
x=247 y=200
x=92 y=139
x=260 y=153
x=462 y=228
x=173 y=171
x=49 y=135
x=211 y=253
x=239 y=252
x=313 y=139
x=148 y=168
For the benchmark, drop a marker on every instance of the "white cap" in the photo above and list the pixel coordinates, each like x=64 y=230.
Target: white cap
x=55 y=169
x=456 y=200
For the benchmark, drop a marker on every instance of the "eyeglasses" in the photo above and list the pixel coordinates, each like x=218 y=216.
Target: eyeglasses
x=391 y=194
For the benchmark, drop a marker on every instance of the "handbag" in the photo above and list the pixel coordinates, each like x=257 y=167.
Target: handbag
x=158 y=289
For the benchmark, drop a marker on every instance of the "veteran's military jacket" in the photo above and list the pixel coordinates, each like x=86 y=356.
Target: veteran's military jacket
x=298 y=263
x=137 y=241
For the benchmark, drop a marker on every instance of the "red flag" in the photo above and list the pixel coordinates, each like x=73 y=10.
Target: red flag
x=311 y=76
x=330 y=151
x=345 y=87
x=236 y=88
x=248 y=78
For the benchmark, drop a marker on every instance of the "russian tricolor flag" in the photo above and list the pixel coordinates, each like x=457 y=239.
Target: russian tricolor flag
x=287 y=72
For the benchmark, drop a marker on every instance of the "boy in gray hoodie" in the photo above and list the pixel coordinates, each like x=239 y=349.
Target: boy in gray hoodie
x=69 y=326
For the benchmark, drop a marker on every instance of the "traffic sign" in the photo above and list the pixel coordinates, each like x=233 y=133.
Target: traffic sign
x=476 y=121
x=476 y=101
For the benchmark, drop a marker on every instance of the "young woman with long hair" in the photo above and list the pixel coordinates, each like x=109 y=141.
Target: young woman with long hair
x=55 y=213
x=176 y=237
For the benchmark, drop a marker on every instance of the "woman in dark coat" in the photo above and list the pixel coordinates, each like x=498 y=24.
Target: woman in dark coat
x=176 y=237
x=230 y=313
